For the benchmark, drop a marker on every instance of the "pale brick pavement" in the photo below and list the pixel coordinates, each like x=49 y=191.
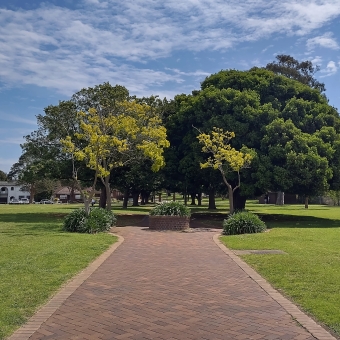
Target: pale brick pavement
x=167 y=285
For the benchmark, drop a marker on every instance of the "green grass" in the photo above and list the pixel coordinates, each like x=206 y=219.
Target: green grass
x=37 y=257
x=310 y=272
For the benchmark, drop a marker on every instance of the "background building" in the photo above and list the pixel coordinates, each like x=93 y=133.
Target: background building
x=11 y=190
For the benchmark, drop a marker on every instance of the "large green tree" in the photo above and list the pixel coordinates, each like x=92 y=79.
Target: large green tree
x=247 y=102
x=3 y=176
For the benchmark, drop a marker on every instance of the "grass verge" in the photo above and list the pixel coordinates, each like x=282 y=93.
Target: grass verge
x=310 y=272
x=37 y=257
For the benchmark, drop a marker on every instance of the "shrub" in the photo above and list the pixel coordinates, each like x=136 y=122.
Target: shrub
x=171 y=209
x=98 y=220
x=243 y=223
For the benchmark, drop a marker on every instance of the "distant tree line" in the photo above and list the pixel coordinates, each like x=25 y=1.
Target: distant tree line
x=104 y=138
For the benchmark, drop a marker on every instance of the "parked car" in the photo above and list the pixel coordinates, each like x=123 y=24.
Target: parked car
x=45 y=201
x=25 y=200
x=15 y=201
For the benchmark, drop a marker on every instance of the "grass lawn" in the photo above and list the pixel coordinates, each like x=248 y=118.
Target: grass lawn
x=37 y=257
x=310 y=272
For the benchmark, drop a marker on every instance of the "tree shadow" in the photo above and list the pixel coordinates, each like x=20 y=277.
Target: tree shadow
x=31 y=223
x=272 y=220
x=291 y=221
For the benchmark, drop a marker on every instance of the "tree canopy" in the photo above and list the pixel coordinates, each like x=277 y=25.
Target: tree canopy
x=3 y=176
x=278 y=112
x=303 y=71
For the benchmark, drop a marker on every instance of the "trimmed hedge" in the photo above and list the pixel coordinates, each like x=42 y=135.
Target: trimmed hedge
x=170 y=209
x=98 y=220
x=243 y=223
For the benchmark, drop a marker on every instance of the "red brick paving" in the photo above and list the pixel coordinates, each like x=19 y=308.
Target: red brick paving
x=169 y=285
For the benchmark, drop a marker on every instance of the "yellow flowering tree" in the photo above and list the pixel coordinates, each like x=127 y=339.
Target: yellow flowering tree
x=224 y=158
x=132 y=133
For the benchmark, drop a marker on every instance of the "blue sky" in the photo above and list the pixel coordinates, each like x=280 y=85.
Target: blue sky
x=50 y=50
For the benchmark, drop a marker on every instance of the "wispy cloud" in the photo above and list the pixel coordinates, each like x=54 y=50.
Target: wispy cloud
x=326 y=40
x=17 y=141
x=16 y=119
x=317 y=60
x=189 y=74
x=67 y=50
x=331 y=69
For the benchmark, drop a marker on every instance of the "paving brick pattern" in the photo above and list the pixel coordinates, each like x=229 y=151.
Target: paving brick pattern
x=170 y=285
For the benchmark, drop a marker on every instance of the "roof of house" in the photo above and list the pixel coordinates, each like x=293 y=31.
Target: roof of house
x=8 y=183
x=67 y=191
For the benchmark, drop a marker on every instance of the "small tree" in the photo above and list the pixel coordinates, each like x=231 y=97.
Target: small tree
x=224 y=158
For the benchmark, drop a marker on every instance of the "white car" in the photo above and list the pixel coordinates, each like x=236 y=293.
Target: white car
x=25 y=201
x=15 y=201
x=45 y=201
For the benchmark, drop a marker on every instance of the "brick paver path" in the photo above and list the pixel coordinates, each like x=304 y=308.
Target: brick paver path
x=169 y=285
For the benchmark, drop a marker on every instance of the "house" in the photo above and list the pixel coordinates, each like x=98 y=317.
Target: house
x=66 y=194
x=11 y=190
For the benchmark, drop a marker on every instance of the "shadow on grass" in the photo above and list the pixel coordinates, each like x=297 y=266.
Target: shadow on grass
x=31 y=223
x=33 y=217
x=291 y=221
x=272 y=220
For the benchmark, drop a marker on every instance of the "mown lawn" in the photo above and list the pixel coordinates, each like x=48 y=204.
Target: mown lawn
x=310 y=272
x=37 y=257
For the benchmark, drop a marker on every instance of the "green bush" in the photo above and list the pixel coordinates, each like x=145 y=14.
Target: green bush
x=98 y=220
x=243 y=223
x=171 y=209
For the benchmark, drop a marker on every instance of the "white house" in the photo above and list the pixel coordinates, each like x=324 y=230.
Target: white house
x=10 y=190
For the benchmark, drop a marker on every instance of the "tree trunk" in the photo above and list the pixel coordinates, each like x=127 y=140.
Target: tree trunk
x=239 y=201
x=212 y=203
x=174 y=197
x=102 y=200
x=87 y=206
x=160 y=197
x=135 y=196
x=231 y=199
x=142 y=195
x=280 y=198
x=193 y=198
x=108 y=193
x=32 y=193
x=306 y=202
x=72 y=194
x=125 y=199
x=199 y=199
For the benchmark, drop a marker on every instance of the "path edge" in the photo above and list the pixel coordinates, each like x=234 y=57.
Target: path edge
x=46 y=311
x=304 y=320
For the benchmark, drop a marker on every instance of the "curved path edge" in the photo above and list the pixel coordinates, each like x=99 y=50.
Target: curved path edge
x=304 y=320
x=33 y=324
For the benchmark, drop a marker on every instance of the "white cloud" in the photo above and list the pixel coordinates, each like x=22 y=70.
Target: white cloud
x=326 y=40
x=67 y=50
x=330 y=69
x=317 y=60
